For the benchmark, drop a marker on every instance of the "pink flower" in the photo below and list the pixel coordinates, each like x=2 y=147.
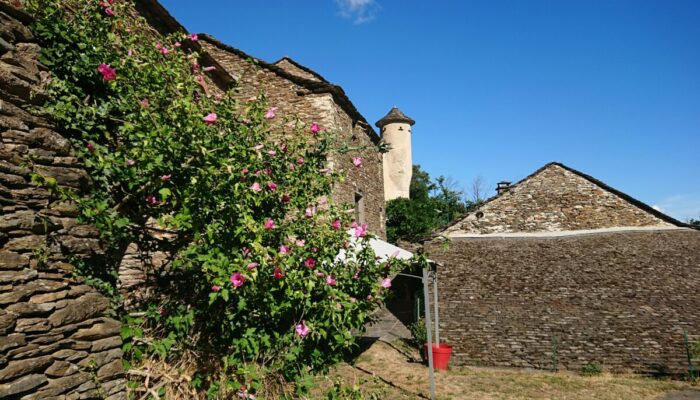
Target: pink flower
x=255 y=187
x=277 y=273
x=151 y=200
x=245 y=251
x=300 y=242
x=237 y=279
x=269 y=224
x=357 y=162
x=336 y=225
x=272 y=152
x=90 y=147
x=165 y=178
x=144 y=103
x=319 y=273
x=130 y=52
x=252 y=265
x=130 y=162
x=271 y=113
x=209 y=69
x=271 y=185
x=386 y=283
x=194 y=37
x=292 y=166
x=309 y=212
x=108 y=73
x=285 y=198
x=300 y=160
x=260 y=146
x=315 y=128
x=109 y=11
x=178 y=44
x=245 y=171
x=164 y=50
x=361 y=231
x=215 y=288
x=301 y=329
x=284 y=249
x=310 y=262
x=369 y=297
x=330 y=280
x=210 y=119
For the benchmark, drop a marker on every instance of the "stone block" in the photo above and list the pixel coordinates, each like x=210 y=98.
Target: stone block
x=22 y=385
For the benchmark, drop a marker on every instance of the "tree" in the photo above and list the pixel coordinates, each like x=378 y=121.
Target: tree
x=431 y=204
x=694 y=222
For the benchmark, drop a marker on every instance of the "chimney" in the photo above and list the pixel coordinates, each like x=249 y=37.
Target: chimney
x=395 y=130
x=502 y=187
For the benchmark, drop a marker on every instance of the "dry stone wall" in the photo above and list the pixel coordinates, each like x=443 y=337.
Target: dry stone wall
x=619 y=299
x=56 y=340
x=555 y=199
x=295 y=99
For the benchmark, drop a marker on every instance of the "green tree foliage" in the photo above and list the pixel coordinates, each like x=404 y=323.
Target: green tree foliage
x=431 y=204
x=694 y=222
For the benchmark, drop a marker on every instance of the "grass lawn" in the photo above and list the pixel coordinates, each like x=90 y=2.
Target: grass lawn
x=390 y=372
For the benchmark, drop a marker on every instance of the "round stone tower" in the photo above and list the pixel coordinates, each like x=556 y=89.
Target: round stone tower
x=395 y=130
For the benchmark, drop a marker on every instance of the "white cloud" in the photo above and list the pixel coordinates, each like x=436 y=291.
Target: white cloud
x=360 y=11
x=682 y=206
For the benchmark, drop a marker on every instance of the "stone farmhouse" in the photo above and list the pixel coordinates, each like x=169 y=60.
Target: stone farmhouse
x=561 y=266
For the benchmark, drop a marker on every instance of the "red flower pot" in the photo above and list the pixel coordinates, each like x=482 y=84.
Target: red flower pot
x=441 y=355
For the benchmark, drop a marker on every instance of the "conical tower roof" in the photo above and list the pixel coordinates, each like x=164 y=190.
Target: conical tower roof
x=395 y=115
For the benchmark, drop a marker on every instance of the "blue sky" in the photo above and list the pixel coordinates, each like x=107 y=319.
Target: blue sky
x=500 y=88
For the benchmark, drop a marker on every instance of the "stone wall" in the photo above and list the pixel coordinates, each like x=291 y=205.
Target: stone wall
x=556 y=198
x=620 y=299
x=314 y=101
x=55 y=336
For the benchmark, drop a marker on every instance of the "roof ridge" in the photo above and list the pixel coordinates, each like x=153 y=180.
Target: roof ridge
x=301 y=67
x=637 y=203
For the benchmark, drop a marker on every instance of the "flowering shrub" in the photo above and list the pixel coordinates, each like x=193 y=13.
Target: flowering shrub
x=256 y=281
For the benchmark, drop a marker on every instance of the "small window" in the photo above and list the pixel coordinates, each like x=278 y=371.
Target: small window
x=359 y=208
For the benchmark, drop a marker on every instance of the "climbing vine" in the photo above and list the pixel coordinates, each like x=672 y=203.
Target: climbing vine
x=265 y=278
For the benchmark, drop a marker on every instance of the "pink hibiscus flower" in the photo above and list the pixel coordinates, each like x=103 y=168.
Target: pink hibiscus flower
x=361 y=231
x=336 y=225
x=252 y=265
x=277 y=273
x=315 y=128
x=330 y=280
x=151 y=200
x=310 y=262
x=210 y=119
x=357 y=162
x=165 y=178
x=237 y=279
x=386 y=283
x=269 y=224
x=271 y=113
x=255 y=187
x=301 y=329
x=271 y=185
x=284 y=249
x=108 y=73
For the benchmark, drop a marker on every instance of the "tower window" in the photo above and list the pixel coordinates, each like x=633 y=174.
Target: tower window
x=359 y=208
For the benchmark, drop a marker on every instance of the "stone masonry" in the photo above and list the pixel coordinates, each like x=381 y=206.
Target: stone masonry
x=556 y=198
x=621 y=299
x=299 y=91
x=56 y=340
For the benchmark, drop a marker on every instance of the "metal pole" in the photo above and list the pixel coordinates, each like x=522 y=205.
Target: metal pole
x=429 y=328
x=437 y=315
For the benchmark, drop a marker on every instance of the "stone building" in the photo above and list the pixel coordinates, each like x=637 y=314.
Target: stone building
x=561 y=266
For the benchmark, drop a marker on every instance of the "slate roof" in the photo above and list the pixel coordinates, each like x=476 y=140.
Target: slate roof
x=394 y=115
